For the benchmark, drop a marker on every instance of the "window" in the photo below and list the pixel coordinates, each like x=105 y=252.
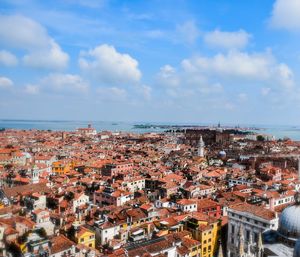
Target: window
x=247 y=235
x=255 y=237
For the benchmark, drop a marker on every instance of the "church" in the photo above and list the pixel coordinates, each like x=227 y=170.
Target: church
x=283 y=242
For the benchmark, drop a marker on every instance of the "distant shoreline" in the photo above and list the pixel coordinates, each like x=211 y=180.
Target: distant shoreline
x=168 y=127
x=292 y=132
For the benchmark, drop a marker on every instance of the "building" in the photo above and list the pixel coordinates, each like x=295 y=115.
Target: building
x=187 y=205
x=286 y=240
x=209 y=207
x=82 y=235
x=283 y=242
x=42 y=220
x=34 y=244
x=61 y=246
x=134 y=184
x=249 y=221
x=89 y=131
x=206 y=230
x=59 y=167
x=110 y=196
x=113 y=169
x=79 y=200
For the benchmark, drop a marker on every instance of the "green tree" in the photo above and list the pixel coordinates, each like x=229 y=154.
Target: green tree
x=260 y=138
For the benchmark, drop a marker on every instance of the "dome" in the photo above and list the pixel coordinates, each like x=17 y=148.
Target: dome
x=289 y=223
x=222 y=153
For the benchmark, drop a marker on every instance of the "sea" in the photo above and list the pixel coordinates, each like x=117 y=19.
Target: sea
x=282 y=131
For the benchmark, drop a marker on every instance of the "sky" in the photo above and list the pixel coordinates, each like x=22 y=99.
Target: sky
x=185 y=61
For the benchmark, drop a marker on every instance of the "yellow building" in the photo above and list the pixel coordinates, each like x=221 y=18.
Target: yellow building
x=60 y=167
x=33 y=241
x=84 y=236
x=206 y=230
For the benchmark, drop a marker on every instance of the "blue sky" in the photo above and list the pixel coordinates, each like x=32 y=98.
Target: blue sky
x=167 y=61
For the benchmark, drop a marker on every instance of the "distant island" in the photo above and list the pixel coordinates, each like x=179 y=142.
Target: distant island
x=170 y=127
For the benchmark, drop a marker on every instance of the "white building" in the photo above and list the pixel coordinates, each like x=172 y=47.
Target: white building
x=251 y=221
x=42 y=220
x=240 y=181
x=79 y=200
x=187 y=205
x=135 y=184
x=106 y=232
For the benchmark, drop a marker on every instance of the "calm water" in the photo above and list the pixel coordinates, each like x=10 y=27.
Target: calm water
x=72 y=125
x=292 y=132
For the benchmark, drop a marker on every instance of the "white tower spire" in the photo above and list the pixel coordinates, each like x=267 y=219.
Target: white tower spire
x=35 y=175
x=201 y=147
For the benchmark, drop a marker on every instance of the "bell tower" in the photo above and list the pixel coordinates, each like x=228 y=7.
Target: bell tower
x=35 y=175
x=201 y=147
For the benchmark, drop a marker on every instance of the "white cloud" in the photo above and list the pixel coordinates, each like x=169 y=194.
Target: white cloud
x=241 y=66
x=65 y=82
x=286 y=14
x=7 y=58
x=24 y=33
x=223 y=75
x=32 y=89
x=182 y=83
x=167 y=76
x=285 y=76
x=112 y=94
x=5 y=83
x=188 y=32
x=108 y=66
x=228 y=40
x=54 y=58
